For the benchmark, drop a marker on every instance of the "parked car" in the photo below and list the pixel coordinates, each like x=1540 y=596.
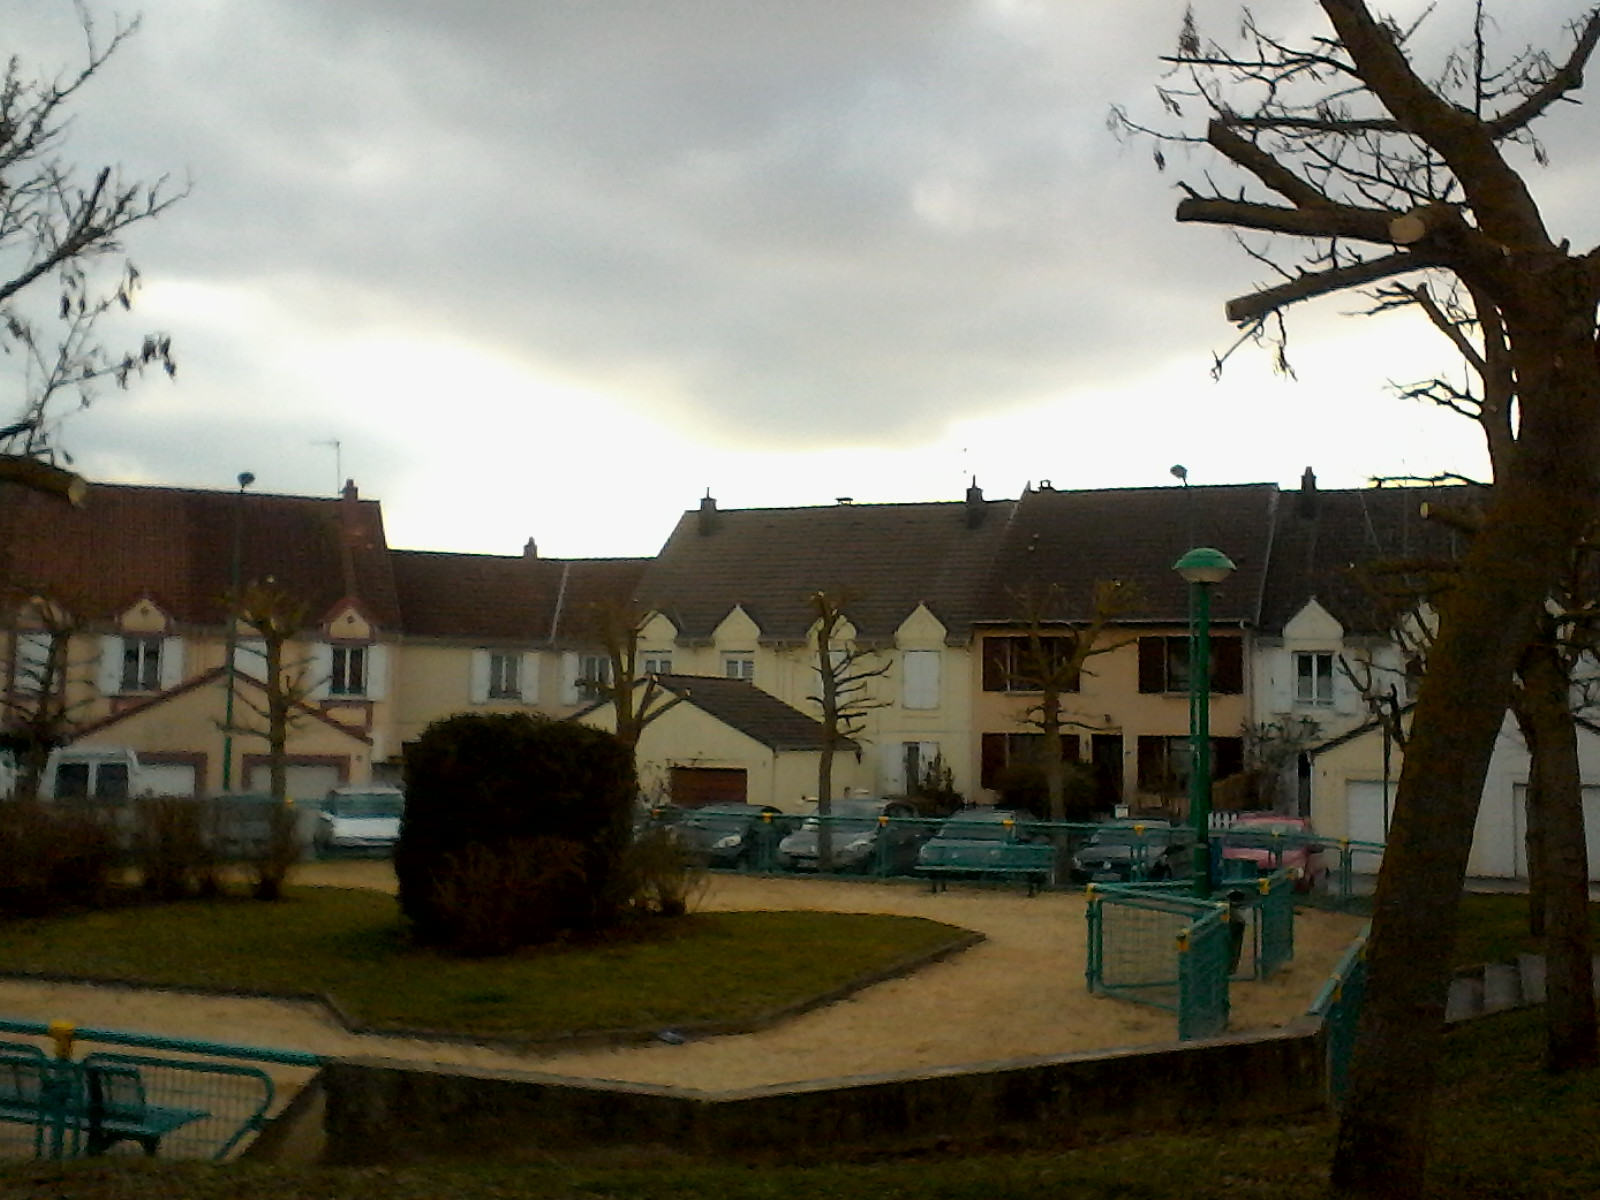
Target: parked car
x=727 y=835
x=988 y=842
x=1269 y=841
x=360 y=818
x=862 y=840
x=1125 y=851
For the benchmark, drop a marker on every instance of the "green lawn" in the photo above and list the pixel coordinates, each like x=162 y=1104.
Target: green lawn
x=349 y=944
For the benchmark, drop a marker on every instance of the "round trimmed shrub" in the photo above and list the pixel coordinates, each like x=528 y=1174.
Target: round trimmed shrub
x=514 y=824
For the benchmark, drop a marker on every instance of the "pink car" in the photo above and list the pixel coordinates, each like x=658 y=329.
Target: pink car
x=1271 y=841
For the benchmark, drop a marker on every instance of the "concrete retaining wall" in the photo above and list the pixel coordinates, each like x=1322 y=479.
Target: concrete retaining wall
x=385 y=1112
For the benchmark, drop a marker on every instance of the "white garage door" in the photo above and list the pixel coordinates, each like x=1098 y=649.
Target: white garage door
x=167 y=779
x=1369 y=807
x=306 y=782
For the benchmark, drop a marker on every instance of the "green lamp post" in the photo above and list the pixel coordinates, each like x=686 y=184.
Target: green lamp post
x=1201 y=568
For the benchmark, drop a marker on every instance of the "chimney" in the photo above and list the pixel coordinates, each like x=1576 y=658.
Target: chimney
x=975 y=507
x=1306 y=506
x=708 y=515
x=531 y=549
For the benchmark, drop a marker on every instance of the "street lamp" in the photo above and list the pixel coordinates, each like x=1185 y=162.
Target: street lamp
x=245 y=480
x=1200 y=568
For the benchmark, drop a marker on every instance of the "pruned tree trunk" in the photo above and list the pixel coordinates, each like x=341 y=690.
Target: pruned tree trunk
x=1485 y=623
x=1572 y=1039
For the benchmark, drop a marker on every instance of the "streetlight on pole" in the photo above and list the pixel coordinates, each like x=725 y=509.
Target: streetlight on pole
x=1200 y=568
x=245 y=480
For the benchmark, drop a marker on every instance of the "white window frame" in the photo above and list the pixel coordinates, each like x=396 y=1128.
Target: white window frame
x=739 y=666
x=594 y=676
x=1314 y=674
x=505 y=676
x=141 y=663
x=348 y=672
x=657 y=664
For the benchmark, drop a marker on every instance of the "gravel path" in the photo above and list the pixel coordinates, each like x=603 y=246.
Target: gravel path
x=1018 y=994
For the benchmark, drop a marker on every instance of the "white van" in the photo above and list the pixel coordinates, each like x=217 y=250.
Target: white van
x=108 y=774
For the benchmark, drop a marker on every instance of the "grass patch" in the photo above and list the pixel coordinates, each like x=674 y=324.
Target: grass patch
x=350 y=944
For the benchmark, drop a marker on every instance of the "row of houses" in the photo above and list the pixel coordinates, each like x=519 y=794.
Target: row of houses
x=132 y=592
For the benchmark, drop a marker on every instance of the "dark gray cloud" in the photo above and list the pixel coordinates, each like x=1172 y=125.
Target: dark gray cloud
x=815 y=224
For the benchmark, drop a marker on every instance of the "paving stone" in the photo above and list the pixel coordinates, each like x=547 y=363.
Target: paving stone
x=1465 y=998
x=1502 y=987
x=1531 y=968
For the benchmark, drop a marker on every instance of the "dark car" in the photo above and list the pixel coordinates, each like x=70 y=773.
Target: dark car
x=728 y=835
x=868 y=836
x=1128 y=851
x=987 y=842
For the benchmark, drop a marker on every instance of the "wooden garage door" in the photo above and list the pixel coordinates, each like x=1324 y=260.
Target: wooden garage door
x=694 y=786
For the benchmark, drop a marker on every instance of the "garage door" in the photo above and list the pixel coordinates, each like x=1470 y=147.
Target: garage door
x=167 y=779
x=306 y=781
x=1369 y=806
x=695 y=786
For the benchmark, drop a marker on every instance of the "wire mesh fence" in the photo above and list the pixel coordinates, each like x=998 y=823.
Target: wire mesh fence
x=1159 y=947
x=178 y=1098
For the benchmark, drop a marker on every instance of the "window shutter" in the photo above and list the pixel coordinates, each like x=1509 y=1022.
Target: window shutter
x=1346 y=697
x=1152 y=664
x=377 y=671
x=570 y=670
x=920 y=675
x=530 y=678
x=171 y=663
x=321 y=671
x=1227 y=666
x=894 y=769
x=109 y=676
x=478 y=678
x=1281 y=686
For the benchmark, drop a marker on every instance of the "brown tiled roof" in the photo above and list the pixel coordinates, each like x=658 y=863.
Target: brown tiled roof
x=741 y=705
x=1075 y=539
x=175 y=545
x=1322 y=536
x=513 y=599
x=884 y=559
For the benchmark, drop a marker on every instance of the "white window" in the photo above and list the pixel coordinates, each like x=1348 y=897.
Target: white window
x=347 y=673
x=1313 y=679
x=505 y=676
x=739 y=666
x=594 y=676
x=141 y=664
x=659 y=664
x=920 y=677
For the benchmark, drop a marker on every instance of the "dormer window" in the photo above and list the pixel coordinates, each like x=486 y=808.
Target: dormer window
x=141 y=663
x=348 y=673
x=1313 y=679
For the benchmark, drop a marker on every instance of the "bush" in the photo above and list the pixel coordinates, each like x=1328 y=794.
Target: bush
x=1022 y=786
x=513 y=785
x=53 y=857
x=659 y=877
x=498 y=899
x=171 y=847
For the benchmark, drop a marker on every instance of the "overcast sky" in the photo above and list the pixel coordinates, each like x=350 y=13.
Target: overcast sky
x=558 y=268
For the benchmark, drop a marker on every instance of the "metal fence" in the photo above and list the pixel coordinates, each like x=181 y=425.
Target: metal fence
x=1157 y=946
x=178 y=1098
x=1339 y=1006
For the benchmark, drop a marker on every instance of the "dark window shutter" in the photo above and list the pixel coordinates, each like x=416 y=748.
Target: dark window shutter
x=1227 y=757
x=994 y=666
x=1152 y=756
x=1152 y=665
x=1227 y=666
x=992 y=759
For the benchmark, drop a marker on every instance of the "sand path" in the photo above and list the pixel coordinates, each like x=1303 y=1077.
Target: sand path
x=1018 y=994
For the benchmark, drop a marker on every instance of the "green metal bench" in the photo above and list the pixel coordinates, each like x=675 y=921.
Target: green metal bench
x=1032 y=862
x=100 y=1103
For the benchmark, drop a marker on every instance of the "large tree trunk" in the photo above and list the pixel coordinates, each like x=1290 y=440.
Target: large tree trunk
x=1572 y=1033
x=1537 y=511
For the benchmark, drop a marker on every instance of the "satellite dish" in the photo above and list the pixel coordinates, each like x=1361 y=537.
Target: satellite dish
x=1181 y=472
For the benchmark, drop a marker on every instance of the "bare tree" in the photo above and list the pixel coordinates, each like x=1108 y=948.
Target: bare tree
x=1386 y=169
x=39 y=715
x=1050 y=657
x=636 y=699
x=843 y=671
x=56 y=228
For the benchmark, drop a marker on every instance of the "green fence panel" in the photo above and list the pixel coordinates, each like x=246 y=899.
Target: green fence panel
x=185 y=1099
x=1339 y=1006
x=1205 y=954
